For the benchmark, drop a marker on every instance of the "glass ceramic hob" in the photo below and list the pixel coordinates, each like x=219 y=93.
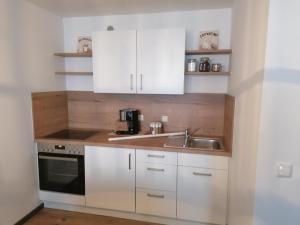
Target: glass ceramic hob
x=72 y=134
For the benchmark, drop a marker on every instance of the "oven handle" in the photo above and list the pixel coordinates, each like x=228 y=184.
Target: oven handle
x=58 y=158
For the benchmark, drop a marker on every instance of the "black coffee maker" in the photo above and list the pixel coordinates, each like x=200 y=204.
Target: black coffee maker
x=131 y=116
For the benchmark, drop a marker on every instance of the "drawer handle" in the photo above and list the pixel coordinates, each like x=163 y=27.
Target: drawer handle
x=202 y=174
x=155 y=196
x=156 y=156
x=155 y=169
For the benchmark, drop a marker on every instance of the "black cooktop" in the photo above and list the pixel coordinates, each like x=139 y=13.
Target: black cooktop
x=72 y=134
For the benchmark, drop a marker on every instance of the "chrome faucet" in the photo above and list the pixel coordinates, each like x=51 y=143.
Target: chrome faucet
x=186 y=138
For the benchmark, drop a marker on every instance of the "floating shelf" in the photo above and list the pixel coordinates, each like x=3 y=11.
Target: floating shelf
x=74 y=54
x=208 y=73
x=209 y=52
x=73 y=73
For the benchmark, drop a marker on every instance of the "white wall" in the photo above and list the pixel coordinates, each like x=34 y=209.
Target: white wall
x=249 y=31
x=193 y=21
x=29 y=36
x=278 y=199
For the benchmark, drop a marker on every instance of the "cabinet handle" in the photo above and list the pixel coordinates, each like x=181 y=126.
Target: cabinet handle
x=129 y=159
x=155 y=169
x=141 y=87
x=155 y=196
x=156 y=156
x=131 y=81
x=202 y=174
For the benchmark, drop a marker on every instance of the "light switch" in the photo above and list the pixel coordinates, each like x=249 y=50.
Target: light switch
x=284 y=169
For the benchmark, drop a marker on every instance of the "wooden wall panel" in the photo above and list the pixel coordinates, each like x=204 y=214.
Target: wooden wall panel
x=205 y=111
x=229 y=121
x=50 y=112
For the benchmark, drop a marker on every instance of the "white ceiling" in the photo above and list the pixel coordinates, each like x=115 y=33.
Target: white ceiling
x=69 y=8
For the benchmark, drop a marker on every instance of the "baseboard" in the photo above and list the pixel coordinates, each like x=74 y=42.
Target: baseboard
x=30 y=214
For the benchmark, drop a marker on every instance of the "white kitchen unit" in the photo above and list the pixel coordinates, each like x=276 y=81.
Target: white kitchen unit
x=143 y=61
x=114 y=61
x=110 y=178
x=202 y=188
x=160 y=61
x=156 y=181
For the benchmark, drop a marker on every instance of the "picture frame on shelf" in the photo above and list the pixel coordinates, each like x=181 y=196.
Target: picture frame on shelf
x=209 y=40
x=84 y=44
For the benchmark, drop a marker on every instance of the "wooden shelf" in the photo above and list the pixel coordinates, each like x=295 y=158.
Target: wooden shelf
x=73 y=73
x=74 y=54
x=209 y=52
x=208 y=73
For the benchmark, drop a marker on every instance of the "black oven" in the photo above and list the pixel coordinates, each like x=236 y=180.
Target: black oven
x=61 y=168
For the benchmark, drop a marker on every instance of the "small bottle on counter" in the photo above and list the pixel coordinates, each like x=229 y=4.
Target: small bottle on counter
x=155 y=127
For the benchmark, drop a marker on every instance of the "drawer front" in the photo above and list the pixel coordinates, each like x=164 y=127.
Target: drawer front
x=156 y=176
x=157 y=203
x=202 y=195
x=203 y=161
x=156 y=157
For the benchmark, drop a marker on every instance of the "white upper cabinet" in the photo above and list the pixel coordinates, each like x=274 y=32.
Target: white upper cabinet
x=143 y=62
x=160 y=61
x=114 y=61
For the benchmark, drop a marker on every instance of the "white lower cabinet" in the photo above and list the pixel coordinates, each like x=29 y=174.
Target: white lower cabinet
x=175 y=185
x=156 y=180
x=110 y=178
x=155 y=202
x=202 y=195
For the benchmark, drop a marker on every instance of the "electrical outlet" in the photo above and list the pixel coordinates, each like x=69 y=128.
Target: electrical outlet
x=164 y=119
x=141 y=117
x=284 y=169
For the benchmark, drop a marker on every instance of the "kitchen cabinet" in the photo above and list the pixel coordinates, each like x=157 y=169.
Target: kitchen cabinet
x=142 y=62
x=160 y=61
x=156 y=180
x=202 y=192
x=110 y=178
x=114 y=61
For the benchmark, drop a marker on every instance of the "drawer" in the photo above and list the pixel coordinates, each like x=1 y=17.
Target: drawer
x=156 y=176
x=203 y=161
x=156 y=157
x=157 y=203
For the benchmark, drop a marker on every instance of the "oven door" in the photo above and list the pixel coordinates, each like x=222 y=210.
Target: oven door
x=62 y=173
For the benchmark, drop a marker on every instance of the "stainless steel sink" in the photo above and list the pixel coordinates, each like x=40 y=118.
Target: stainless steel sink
x=205 y=143
x=197 y=143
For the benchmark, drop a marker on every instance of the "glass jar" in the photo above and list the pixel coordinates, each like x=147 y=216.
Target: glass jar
x=155 y=127
x=204 y=65
x=191 y=65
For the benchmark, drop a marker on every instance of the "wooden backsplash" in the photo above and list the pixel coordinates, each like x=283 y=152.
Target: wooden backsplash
x=194 y=111
x=50 y=112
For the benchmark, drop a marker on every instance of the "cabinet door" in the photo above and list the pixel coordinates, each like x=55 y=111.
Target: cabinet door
x=202 y=195
x=114 y=61
x=160 y=61
x=110 y=178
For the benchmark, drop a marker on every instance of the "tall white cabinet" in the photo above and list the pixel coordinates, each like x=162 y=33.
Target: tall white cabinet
x=110 y=178
x=142 y=62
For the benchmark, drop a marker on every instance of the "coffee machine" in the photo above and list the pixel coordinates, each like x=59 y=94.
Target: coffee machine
x=131 y=116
